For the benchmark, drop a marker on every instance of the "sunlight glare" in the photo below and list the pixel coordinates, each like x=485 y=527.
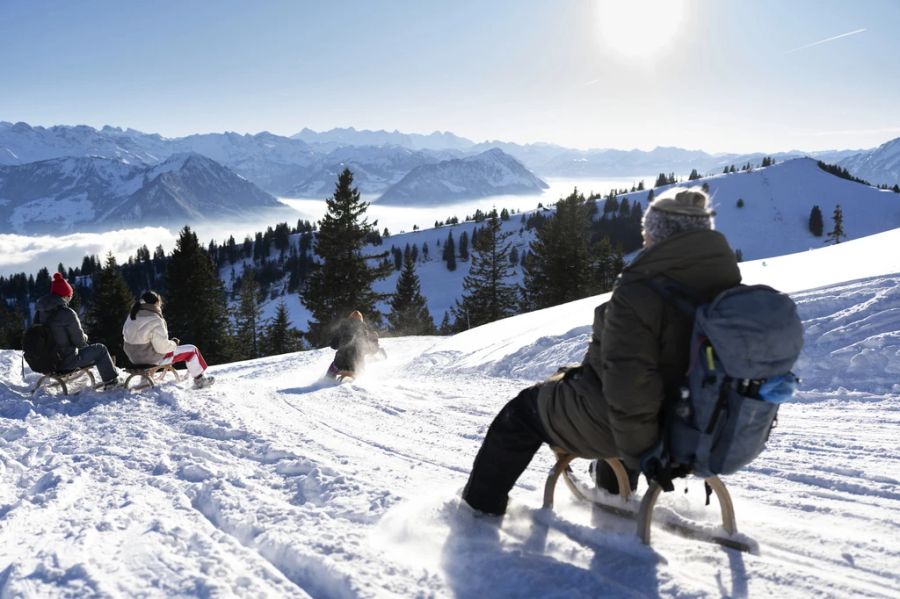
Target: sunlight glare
x=639 y=29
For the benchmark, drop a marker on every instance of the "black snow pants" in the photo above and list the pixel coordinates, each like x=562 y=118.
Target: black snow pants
x=513 y=438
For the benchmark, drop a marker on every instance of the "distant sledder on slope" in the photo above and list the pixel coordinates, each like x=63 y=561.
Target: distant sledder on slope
x=147 y=343
x=629 y=400
x=354 y=342
x=56 y=346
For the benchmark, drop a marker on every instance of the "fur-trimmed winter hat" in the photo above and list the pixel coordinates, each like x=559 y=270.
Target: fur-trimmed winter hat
x=59 y=286
x=676 y=210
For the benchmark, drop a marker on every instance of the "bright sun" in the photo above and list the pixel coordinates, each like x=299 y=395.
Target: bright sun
x=639 y=29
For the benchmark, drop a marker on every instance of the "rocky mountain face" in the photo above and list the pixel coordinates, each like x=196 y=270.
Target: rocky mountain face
x=93 y=193
x=881 y=165
x=493 y=172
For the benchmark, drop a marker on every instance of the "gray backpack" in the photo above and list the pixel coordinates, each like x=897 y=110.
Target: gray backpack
x=743 y=346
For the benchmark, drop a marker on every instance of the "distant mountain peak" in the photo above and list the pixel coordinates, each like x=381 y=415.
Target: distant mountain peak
x=492 y=172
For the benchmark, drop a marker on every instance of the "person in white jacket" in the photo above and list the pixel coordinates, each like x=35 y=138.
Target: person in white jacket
x=147 y=340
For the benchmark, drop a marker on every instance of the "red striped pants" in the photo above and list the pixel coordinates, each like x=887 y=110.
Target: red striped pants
x=196 y=365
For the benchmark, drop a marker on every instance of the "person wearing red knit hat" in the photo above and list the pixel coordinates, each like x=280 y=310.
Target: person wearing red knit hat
x=54 y=312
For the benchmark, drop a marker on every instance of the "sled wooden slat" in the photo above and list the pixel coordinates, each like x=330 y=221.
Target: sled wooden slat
x=150 y=376
x=644 y=515
x=62 y=380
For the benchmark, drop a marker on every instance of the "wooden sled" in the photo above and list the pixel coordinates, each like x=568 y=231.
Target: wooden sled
x=62 y=380
x=149 y=375
x=643 y=515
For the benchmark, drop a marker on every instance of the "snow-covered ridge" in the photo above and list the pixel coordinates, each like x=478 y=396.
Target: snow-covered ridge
x=94 y=193
x=878 y=166
x=272 y=484
x=489 y=173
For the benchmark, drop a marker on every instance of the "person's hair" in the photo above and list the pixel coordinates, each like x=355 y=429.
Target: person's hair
x=148 y=297
x=356 y=315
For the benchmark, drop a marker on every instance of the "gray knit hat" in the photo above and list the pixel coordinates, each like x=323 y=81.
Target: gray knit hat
x=677 y=209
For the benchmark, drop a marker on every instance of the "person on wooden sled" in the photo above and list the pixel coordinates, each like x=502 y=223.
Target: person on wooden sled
x=354 y=342
x=147 y=340
x=74 y=352
x=609 y=406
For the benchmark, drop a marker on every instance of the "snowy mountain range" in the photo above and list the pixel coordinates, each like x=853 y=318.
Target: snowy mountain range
x=91 y=193
x=301 y=165
x=489 y=173
x=274 y=484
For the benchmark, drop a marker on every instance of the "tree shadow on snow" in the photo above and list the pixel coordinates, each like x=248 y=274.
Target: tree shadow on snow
x=20 y=405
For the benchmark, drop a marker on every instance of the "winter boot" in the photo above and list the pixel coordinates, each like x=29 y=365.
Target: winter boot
x=109 y=385
x=605 y=478
x=203 y=381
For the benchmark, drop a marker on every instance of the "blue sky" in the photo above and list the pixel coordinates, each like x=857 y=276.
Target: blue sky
x=730 y=76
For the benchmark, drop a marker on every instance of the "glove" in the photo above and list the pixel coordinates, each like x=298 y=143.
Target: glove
x=657 y=468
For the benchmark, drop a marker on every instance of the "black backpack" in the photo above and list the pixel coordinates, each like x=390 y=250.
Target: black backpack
x=41 y=351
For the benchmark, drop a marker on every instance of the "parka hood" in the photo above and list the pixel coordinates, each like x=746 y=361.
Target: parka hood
x=697 y=259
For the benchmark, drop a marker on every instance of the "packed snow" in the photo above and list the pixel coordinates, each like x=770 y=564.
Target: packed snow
x=272 y=483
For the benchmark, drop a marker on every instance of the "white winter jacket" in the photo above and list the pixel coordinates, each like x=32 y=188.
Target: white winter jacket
x=146 y=337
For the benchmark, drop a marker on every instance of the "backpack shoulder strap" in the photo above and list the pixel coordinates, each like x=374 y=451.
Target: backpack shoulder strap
x=681 y=296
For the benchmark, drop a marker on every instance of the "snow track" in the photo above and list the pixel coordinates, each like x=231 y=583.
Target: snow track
x=272 y=483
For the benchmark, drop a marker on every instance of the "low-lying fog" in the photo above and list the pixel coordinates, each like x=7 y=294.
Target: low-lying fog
x=28 y=253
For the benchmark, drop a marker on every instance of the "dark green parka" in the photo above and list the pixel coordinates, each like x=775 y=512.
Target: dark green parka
x=639 y=352
x=64 y=325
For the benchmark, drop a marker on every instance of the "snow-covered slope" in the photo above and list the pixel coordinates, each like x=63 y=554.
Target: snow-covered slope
x=777 y=201
x=489 y=173
x=878 y=166
x=272 y=484
x=84 y=194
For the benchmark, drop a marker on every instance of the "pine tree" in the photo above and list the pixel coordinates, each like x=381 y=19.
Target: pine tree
x=449 y=254
x=111 y=304
x=816 y=226
x=446 y=328
x=487 y=296
x=464 y=246
x=247 y=317
x=12 y=327
x=409 y=312
x=343 y=281
x=279 y=336
x=694 y=175
x=195 y=308
x=837 y=232
x=606 y=266
x=558 y=268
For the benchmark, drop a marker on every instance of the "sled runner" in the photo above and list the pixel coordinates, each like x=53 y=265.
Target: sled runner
x=62 y=380
x=149 y=375
x=643 y=514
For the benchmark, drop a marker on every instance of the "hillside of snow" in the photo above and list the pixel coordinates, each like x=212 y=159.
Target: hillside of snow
x=773 y=222
x=274 y=484
x=777 y=201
